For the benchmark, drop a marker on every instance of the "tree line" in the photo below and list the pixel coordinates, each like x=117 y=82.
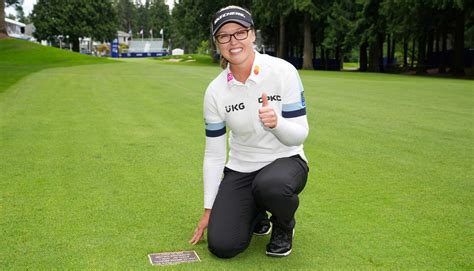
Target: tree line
x=71 y=20
x=322 y=34
x=381 y=35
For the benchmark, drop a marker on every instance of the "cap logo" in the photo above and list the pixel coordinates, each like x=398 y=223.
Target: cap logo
x=229 y=14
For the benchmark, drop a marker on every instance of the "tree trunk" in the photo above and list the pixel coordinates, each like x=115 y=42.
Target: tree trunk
x=405 y=53
x=308 y=47
x=458 y=59
x=3 y=25
x=429 y=51
x=412 y=64
x=301 y=50
x=376 y=54
x=444 y=51
x=282 y=42
x=389 y=50
x=373 y=60
x=338 y=58
x=437 y=37
x=75 y=44
x=381 y=40
x=363 y=57
x=421 y=65
x=314 y=50
x=276 y=40
x=323 y=58
x=392 y=56
x=327 y=66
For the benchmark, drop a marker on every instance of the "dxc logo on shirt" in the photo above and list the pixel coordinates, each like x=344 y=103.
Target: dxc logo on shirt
x=271 y=98
x=234 y=107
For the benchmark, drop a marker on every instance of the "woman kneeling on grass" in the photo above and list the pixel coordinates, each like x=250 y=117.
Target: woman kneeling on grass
x=260 y=98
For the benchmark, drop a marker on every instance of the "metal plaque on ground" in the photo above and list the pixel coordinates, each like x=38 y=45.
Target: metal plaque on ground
x=166 y=258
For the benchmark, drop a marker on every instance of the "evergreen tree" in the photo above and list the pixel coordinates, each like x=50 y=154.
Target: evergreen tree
x=309 y=10
x=160 y=18
x=339 y=33
x=126 y=15
x=191 y=20
x=74 y=19
x=143 y=17
x=186 y=33
x=271 y=17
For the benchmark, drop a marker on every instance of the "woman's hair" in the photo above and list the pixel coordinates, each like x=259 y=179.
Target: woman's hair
x=223 y=62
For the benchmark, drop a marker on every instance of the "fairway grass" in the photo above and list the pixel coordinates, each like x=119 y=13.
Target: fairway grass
x=101 y=165
x=20 y=58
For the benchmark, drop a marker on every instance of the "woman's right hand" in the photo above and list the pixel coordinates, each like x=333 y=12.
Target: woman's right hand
x=201 y=227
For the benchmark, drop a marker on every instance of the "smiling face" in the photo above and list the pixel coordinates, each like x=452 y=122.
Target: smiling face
x=237 y=52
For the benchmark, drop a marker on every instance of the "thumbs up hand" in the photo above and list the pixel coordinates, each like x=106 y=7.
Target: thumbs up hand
x=264 y=99
x=267 y=114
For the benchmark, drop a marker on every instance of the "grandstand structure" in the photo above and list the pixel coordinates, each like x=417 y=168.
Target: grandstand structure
x=145 y=46
x=142 y=48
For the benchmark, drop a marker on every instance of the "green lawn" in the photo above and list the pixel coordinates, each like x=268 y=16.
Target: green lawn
x=101 y=165
x=19 y=59
x=351 y=65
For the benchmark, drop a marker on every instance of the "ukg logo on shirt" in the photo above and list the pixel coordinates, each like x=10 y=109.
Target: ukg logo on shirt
x=234 y=107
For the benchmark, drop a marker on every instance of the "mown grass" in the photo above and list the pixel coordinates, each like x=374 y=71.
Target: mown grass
x=102 y=164
x=351 y=65
x=19 y=58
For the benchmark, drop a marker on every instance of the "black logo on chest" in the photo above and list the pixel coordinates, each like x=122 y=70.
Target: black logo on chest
x=271 y=98
x=234 y=107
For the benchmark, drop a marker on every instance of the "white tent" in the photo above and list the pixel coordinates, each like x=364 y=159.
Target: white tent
x=177 y=52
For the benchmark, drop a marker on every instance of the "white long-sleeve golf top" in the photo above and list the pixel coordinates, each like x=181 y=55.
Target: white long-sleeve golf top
x=231 y=104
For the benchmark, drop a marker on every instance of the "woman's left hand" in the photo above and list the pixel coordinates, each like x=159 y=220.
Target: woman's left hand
x=267 y=113
x=202 y=226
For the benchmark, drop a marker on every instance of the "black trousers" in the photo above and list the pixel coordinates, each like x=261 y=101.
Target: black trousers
x=244 y=198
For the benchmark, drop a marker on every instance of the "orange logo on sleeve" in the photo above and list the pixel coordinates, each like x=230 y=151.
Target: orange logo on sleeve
x=256 y=70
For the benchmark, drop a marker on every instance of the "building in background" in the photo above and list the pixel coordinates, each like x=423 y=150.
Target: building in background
x=15 y=29
x=19 y=30
x=123 y=37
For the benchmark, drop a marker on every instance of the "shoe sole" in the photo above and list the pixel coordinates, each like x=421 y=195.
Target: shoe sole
x=265 y=233
x=278 y=254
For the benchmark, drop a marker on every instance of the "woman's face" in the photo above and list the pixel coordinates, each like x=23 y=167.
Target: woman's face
x=237 y=52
